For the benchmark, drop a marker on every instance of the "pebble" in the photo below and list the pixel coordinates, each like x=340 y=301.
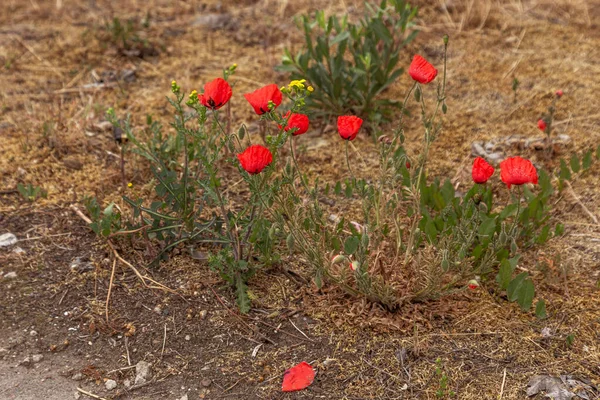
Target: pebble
x=188 y=337
x=77 y=395
x=110 y=384
x=36 y=358
x=206 y=382
x=184 y=397
x=18 y=250
x=203 y=314
x=77 y=377
x=127 y=383
x=7 y=239
x=10 y=275
x=33 y=333
x=142 y=372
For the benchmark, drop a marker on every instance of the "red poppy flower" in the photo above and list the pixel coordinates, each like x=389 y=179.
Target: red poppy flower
x=348 y=126
x=216 y=94
x=298 y=122
x=421 y=71
x=482 y=170
x=255 y=158
x=542 y=124
x=259 y=99
x=559 y=93
x=298 y=377
x=517 y=171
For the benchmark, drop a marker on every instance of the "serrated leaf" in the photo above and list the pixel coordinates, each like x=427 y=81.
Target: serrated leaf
x=242 y=299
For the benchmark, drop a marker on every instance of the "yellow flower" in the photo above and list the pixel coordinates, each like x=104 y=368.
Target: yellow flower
x=234 y=65
x=130 y=185
x=193 y=94
x=310 y=89
x=173 y=82
x=297 y=83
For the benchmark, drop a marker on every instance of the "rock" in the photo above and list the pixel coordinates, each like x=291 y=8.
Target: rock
x=73 y=163
x=26 y=361
x=213 y=21
x=127 y=383
x=188 y=337
x=81 y=265
x=110 y=384
x=184 y=397
x=18 y=250
x=36 y=358
x=203 y=314
x=142 y=372
x=10 y=275
x=77 y=395
x=7 y=239
x=77 y=377
x=33 y=333
x=3 y=351
x=206 y=382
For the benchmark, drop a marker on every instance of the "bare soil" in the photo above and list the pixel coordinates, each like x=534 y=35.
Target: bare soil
x=60 y=73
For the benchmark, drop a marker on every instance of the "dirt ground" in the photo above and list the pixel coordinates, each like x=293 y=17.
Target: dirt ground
x=60 y=73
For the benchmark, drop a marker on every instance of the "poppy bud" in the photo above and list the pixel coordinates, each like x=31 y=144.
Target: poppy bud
x=473 y=284
x=559 y=93
x=477 y=198
x=354 y=265
x=407 y=165
x=118 y=135
x=446 y=37
x=337 y=259
x=542 y=124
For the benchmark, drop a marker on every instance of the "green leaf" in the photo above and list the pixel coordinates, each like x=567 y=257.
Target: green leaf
x=598 y=152
x=504 y=274
x=525 y=295
x=351 y=245
x=559 y=229
x=587 y=160
x=575 y=166
x=241 y=291
x=512 y=290
x=565 y=172
x=487 y=227
x=540 y=309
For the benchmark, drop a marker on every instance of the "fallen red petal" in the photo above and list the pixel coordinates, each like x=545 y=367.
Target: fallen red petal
x=298 y=377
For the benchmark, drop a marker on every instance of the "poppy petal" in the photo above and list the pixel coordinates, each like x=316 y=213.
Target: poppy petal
x=216 y=94
x=348 y=126
x=259 y=99
x=297 y=378
x=482 y=170
x=517 y=171
x=255 y=158
x=421 y=70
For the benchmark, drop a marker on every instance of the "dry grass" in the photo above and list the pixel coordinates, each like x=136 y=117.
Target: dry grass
x=48 y=51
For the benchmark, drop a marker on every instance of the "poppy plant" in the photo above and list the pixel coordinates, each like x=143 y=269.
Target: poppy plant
x=517 y=171
x=348 y=126
x=298 y=377
x=296 y=122
x=482 y=170
x=255 y=158
x=260 y=98
x=421 y=70
x=542 y=124
x=216 y=94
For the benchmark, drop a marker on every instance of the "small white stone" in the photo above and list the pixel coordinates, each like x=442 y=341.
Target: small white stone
x=33 y=333
x=10 y=275
x=77 y=377
x=7 y=239
x=110 y=384
x=36 y=358
x=188 y=337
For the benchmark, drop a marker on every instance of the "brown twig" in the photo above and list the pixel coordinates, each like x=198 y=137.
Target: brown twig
x=80 y=390
x=110 y=285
